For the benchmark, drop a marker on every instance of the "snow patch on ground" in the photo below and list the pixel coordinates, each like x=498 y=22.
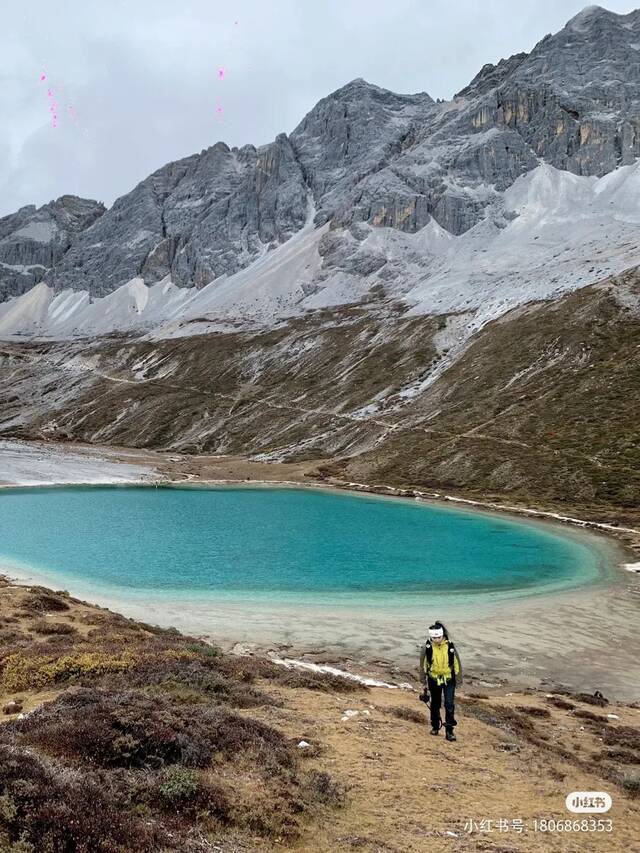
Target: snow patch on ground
x=291 y=663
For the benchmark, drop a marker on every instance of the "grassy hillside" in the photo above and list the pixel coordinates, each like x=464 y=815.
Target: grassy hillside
x=118 y=736
x=542 y=407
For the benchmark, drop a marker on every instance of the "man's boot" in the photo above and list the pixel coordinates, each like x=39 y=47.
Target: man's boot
x=450 y=735
x=435 y=727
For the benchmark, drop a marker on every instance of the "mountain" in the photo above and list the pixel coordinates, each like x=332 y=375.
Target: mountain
x=34 y=241
x=338 y=285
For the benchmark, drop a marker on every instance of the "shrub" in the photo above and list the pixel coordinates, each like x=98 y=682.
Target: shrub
x=271 y=750
x=48 y=808
x=43 y=627
x=43 y=602
x=595 y=699
x=118 y=730
x=129 y=729
x=623 y=756
x=179 y=785
x=533 y=711
x=20 y=846
x=10 y=636
x=321 y=787
x=247 y=669
x=307 y=680
x=60 y=641
x=503 y=718
x=589 y=715
x=631 y=783
x=411 y=714
x=31 y=672
x=272 y=815
x=204 y=650
x=625 y=736
x=184 y=791
x=561 y=703
x=193 y=680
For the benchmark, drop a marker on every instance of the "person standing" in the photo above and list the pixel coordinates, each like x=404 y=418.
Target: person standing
x=439 y=669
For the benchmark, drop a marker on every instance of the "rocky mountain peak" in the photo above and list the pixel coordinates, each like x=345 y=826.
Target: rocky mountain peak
x=592 y=45
x=490 y=76
x=362 y=158
x=360 y=88
x=589 y=17
x=350 y=134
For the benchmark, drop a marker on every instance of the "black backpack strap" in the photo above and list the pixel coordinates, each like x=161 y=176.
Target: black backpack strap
x=452 y=661
x=428 y=651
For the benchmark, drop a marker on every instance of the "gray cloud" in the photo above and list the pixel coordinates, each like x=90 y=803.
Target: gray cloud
x=136 y=83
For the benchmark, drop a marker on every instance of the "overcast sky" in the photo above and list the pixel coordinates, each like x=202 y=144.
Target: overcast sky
x=96 y=94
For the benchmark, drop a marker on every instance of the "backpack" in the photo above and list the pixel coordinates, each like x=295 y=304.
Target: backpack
x=452 y=657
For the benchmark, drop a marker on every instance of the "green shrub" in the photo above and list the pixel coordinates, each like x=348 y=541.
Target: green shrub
x=204 y=650
x=179 y=785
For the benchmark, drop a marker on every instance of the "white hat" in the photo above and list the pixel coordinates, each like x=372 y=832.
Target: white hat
x=436 y=633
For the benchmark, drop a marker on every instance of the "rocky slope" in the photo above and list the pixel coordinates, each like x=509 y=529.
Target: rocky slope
x=426 y=292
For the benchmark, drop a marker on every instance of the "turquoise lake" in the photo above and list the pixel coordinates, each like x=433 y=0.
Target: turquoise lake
x=279 y=542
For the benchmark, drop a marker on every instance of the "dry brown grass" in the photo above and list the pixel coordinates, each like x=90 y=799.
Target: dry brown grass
x=185 y=743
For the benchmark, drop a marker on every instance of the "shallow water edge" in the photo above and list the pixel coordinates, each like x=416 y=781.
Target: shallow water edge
x=545 y=637
x=559 y=641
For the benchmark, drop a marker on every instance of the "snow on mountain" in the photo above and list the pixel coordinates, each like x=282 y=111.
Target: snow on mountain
x=523 y=187
x=553 y=232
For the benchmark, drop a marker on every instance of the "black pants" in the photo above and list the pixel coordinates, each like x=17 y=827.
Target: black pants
x=436 y=691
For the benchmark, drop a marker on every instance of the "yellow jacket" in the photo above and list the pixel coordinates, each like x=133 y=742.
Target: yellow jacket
x=439 y=671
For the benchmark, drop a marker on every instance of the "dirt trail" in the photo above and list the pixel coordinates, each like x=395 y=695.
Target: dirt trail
x=408 y=791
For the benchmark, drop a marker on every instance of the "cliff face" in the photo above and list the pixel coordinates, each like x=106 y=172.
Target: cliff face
x=575 y=98
x=362 y=155
x=205 y=216
x=33 y=241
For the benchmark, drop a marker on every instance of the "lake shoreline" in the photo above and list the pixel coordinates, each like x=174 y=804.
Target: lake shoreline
x=499 y=652
x=157 y=469
x=510 y=629
x=504 y=642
